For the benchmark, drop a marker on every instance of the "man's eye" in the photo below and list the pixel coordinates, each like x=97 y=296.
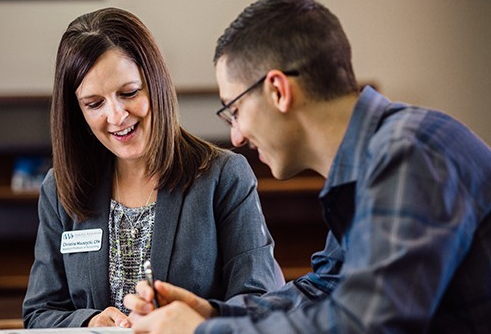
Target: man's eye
x=234 y=113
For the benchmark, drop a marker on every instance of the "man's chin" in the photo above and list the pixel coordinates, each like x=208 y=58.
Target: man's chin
x=282 y=173
x=278 y=174
x=274 y=172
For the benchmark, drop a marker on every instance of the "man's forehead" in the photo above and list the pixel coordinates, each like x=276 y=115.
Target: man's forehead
x=228 y=85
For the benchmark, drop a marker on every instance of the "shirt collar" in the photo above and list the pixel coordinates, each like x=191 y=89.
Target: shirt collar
x=366 y=117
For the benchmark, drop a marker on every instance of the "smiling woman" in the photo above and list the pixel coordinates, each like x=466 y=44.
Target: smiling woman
x=127 y=172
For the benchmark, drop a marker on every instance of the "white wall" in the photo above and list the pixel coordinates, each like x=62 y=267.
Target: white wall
x=434 y=53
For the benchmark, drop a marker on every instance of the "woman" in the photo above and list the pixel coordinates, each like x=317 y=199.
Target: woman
x=129 y=184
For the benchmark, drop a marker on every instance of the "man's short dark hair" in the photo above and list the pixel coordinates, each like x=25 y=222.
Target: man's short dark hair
x=298 y=35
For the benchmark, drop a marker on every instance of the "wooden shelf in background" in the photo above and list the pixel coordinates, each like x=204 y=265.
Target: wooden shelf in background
x=11 y=324
x=296 y=184
x=6 y=194
x=265 y=185
x=18 y=282
x=292 y=273
x=25 y=100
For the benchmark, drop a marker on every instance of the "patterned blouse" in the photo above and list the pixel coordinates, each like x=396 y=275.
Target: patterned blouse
x=130 y=240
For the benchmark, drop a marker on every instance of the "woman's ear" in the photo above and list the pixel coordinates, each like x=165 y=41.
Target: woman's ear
x=279 y=89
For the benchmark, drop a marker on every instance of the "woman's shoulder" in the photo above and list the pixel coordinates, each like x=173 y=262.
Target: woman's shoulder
x=49 y=183
x=48 y=192
x=229 y=159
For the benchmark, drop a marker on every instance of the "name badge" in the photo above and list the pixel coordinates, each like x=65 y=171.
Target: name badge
x=81 y=241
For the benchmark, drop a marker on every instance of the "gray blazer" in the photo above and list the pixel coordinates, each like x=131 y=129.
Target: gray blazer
x=211 y=240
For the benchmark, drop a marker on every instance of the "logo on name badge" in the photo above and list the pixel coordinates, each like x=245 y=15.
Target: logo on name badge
x=81 y=241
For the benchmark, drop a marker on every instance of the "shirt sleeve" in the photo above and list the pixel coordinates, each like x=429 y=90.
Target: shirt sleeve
x=257 y=313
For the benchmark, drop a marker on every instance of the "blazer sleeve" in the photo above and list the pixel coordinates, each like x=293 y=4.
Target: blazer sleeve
x=246 y=244
x=48 y=302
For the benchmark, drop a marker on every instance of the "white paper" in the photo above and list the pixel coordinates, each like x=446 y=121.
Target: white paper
x=85 y=330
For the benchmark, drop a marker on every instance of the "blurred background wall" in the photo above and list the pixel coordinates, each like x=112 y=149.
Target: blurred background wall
x=433 y=53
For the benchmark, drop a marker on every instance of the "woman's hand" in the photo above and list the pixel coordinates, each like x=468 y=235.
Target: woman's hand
x=141 y=303
x=110 y=317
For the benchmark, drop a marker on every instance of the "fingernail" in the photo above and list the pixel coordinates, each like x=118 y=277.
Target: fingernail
x=124 y=324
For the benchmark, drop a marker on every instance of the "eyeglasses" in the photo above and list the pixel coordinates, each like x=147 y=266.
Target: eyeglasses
x=229 y=115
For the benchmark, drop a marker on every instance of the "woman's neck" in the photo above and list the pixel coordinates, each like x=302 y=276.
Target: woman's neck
x=132 y=186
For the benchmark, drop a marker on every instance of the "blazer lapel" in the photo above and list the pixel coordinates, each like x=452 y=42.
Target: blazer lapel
x=168 y=208
x=99 y=260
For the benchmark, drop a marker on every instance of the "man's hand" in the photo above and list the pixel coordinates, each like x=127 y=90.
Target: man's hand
x=176 y=317
x=141 y=304
x=111 y=316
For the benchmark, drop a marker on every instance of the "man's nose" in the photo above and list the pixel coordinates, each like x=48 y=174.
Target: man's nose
x=237 y=137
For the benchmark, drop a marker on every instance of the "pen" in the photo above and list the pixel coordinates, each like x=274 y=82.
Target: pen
x=147 y=266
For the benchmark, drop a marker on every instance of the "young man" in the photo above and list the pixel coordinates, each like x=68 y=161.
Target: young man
x=407 y=194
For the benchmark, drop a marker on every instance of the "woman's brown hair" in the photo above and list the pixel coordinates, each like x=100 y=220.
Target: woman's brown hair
x=173 y=154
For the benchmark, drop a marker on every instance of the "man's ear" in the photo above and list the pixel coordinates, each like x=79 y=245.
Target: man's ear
x=279 y=89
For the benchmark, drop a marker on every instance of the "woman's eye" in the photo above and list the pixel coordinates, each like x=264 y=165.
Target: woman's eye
x=130 y=94
x=94 y=105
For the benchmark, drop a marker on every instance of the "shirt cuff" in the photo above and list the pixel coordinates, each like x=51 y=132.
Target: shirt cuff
x=227 y=310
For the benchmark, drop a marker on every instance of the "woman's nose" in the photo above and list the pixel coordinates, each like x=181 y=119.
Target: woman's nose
x=116 y=113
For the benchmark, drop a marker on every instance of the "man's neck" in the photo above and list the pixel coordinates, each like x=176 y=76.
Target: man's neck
x=326 y=123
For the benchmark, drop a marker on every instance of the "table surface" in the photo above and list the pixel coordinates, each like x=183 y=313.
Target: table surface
x=85 y=330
